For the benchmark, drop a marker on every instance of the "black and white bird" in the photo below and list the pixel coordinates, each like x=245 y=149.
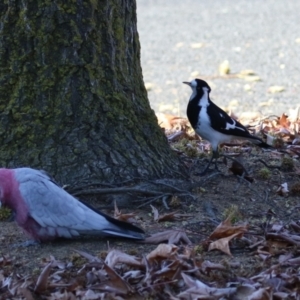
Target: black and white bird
x=212 y=123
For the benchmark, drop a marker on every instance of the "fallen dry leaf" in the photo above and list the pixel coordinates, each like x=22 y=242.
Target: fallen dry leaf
x=5 y=260
x=27 y=294
x=262 y=294
x=223 y=244
x=117 y=257
x=173 y=216
x=244 y=291
x=283 y=190
x=155 y=213
x=263 y=252
x=207 y=266
x=171 y=272
x=170 y=122
x=172 y=236
x=238 y=169
x=163 y=251
x=225 y=229
x=177 y=135
x=88 y=256
x=42 y=281
x=115 y=285
x=199 y=290
x=283 y=121
x=130 y=218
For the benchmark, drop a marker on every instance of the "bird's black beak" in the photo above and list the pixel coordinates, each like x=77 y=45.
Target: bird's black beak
x=186 y=82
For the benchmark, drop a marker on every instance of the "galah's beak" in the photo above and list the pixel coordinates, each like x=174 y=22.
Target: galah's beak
x=188 y=83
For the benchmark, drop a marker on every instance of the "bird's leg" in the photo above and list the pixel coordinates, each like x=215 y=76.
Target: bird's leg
x=207 y=166
x=214 y=156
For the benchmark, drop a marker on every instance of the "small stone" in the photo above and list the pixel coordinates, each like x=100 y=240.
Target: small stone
x=148 y=86
x=276 y=89
x=237 y=49
x=266 y=103
x=196 y=45
x=250 y=115
x=195 y=74
x=247 y=72
x=252 y=78
x=169 y=108
x=233 y=102
x=247 y=87
x=224 y=68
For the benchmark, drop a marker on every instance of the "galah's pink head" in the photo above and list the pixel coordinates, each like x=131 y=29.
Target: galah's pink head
x=11 y=197
x=6 y=186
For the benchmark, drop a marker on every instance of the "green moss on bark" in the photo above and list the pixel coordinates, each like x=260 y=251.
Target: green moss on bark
x=72 y=98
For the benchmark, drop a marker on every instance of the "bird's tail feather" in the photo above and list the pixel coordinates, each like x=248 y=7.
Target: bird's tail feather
x=123 y=229
x=118 y=228
x=259 y=142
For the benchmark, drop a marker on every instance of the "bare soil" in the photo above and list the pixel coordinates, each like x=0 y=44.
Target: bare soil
x=256 y=203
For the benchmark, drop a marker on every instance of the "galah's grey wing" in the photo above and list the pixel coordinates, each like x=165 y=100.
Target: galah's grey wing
x=51 y=206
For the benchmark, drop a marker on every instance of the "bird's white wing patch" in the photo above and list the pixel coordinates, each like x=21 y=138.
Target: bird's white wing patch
x=233 y=126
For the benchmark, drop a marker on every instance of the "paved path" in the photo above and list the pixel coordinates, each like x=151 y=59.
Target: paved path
x=181 y=40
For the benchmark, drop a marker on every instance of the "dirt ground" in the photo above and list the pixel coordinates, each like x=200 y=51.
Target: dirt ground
x=257 y=203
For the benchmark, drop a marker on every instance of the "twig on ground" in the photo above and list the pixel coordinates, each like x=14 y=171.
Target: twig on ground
x=77 y=187
x=267 y=196
x=269 y=215
x=116 y=191
x=268 y=166
x=199 y=183
x=282 y=236
x=164 y=201
x=209 y=209
x=215 y=222
x=176 y=135
x=240 y=181
x=167 y=185
x=196 y=161
x=249 y=186
x=150 y=200
x=269 y=117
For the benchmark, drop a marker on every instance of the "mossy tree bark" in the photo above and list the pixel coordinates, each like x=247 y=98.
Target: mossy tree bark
x=72 y=97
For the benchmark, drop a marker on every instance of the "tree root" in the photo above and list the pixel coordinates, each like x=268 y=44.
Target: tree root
x=143 y=192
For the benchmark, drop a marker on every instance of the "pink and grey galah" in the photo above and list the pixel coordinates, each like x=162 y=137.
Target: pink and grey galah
x=46 y=211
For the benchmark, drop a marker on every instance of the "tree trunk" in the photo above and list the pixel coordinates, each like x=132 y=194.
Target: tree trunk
x=72 y=97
